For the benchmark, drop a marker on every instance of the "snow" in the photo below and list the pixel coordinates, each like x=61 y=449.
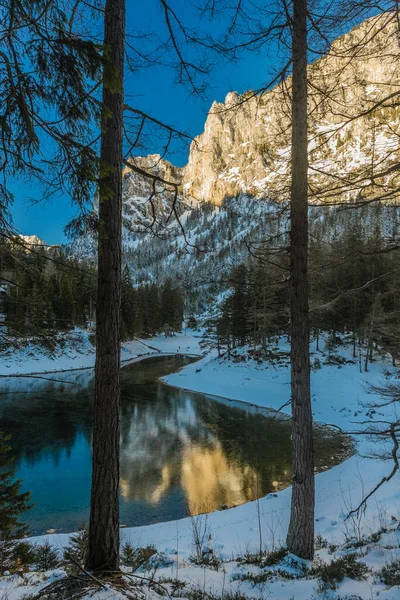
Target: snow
x=74 y=350
x=339 y=395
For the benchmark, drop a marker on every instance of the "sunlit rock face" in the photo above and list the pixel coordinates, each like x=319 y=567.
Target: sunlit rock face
x=245 y=147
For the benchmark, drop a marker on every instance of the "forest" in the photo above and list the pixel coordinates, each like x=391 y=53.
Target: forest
x=52 y=293
x=217 y=183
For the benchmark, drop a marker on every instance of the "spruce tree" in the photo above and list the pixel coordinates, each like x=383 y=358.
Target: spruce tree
x=240 y=304
x=13 y=502
x=127 y=305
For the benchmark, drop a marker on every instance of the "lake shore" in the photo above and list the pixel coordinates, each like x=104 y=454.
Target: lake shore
x=339 y=397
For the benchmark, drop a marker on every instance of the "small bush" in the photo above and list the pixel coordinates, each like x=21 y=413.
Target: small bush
x=47 y=557
x=254 y=578
x=264 y=576
x=24 y=552
x=364 y=540
x=198 y=594
x=263 y=559
x=334 y=572
x=207 y=559
x=136 y=557
x=77 y=549
x=320 y=542
x=316 y=364
x=390 y=573
x=177 y=586
x=16 y=555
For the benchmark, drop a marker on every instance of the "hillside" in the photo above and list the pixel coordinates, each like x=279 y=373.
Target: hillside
x=233 y=192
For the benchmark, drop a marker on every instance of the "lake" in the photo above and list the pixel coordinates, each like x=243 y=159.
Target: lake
x=181 y=452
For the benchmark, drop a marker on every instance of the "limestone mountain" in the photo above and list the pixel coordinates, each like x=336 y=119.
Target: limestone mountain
x=233 y=192
x=354 y=133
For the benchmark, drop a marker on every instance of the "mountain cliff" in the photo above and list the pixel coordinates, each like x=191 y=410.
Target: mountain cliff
x=238 y=169
x=245 y=147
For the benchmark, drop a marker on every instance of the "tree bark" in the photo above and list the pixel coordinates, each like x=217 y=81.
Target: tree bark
x=103 y=551
x=300 y=539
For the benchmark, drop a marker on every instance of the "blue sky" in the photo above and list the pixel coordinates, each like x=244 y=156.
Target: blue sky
x=155 y=91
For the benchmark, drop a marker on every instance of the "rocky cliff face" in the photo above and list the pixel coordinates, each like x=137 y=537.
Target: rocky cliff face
x=139 y=213
x=245 y=147
x=240 y=165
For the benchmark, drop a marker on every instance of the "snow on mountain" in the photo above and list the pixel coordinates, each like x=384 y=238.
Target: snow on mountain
x=32 y=241
x=232 y=193
x=245 y=146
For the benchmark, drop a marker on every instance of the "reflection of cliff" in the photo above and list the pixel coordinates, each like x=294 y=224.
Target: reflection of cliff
x=174 y=444
x=174 y=441
x=211 y=480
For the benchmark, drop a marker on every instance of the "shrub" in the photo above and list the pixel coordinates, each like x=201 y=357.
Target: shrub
x=47 y=557
x=263 y=559
x=77 y=549
x=136 y=557
x=197 y=594
x=316 y=364
x=207 y=559
x=24 y=552
x=320 y=542
x=334 y=572
x=15 y=555
x=390 y=573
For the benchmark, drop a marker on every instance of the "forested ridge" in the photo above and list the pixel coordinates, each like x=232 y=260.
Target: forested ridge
x=51 y=292
x=354 y=290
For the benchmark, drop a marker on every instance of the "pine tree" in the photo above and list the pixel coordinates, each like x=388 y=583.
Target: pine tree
x=300 y=538
x=13 y=502
x=103 y=552
x=240 y=304
x=127 y=305
x=47 y=557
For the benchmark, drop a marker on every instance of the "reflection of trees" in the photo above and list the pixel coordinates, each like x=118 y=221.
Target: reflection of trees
x=46 y=420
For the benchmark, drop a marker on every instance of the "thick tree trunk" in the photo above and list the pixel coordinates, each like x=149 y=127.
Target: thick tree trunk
x=300 y=539
x=103 y=552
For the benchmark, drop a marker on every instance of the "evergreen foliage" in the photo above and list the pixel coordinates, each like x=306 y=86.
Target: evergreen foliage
x=46 y=557
x=77 y=549
x=13 y=502
x=354 y=284
x=51 y=292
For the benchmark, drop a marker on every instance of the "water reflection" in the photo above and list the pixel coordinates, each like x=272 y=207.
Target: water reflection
x=181 y=452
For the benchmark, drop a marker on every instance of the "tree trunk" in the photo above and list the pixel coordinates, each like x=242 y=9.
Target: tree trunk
x=300 y=539
x=103 y=552
x=366 y=358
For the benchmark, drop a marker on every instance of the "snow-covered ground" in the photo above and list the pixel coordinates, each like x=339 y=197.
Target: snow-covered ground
x=340 y=395
x=74 y=350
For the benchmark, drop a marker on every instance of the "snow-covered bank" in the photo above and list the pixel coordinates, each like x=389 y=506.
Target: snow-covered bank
x=75 y=350
x=339 y=398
